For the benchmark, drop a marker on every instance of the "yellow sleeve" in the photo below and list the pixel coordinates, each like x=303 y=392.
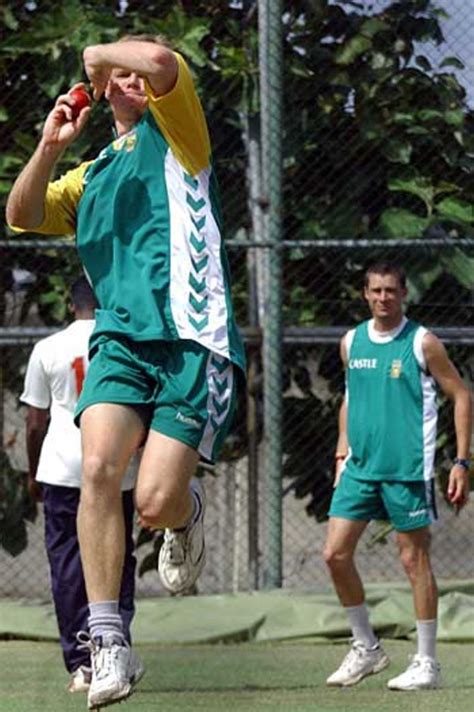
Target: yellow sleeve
x=181 y=119
x=60 y=204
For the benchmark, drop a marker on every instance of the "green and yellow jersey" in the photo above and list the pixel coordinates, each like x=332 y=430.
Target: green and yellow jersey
x=148 y=228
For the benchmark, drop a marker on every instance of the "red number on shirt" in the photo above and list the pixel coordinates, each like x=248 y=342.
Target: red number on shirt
x=79 y=372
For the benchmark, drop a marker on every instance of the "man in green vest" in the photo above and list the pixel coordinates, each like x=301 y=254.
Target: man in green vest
x=165 y=353
x=385 y=468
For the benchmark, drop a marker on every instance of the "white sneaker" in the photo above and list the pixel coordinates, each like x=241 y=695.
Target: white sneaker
x=136 y=669
x=183 y=554
x=111 y=666
x=423 y=673
x=358 y=663
x=80 y=679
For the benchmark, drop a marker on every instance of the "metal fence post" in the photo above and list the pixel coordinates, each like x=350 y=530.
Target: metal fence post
x=270 y=60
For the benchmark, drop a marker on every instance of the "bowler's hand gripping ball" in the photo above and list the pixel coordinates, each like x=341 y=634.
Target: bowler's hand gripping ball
x=81 y=100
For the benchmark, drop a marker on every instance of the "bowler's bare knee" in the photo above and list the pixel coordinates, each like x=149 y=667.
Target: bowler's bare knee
x=162 y=507
x=99 y=474
x=337 y=558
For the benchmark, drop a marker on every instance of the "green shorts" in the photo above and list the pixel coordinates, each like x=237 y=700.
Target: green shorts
x=407 y=505
x=179 y=388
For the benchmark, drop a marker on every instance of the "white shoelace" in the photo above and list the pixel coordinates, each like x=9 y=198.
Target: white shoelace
x=175 y=543
x=102 y=658
x=356 y=652
x=85 y=642
x=352 y=656
x=421 y=662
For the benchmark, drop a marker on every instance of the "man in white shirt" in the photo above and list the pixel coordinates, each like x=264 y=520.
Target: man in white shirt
x=53 y=382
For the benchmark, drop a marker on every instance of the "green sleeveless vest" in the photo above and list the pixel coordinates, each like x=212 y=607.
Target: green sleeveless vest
x=391 y=408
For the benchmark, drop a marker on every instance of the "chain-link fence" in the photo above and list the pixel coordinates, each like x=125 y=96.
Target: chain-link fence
x=375 y=132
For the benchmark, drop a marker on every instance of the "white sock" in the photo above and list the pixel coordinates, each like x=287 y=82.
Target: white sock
x=360 y=626
x=196 y=496
x=105 y=622
x=426 y=637
x=197 y=508
x=196 y=513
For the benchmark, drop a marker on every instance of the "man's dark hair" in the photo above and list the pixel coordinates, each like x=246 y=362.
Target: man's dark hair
x=383 y=268
x=82 y=296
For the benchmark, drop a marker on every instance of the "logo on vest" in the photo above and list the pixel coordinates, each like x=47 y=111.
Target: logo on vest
x=127 y=142
x=363 y=363
x=396 y=368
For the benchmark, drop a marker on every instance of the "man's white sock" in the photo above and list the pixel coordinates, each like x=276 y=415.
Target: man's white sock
x=360 y=626
x=426 y=638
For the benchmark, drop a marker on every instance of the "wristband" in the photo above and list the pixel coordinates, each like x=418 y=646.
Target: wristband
x=462 y=462
x=339 y=456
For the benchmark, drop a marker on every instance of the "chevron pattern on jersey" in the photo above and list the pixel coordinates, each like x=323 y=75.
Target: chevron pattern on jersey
x=198 y=298
x=219 y=391
x=220 y=401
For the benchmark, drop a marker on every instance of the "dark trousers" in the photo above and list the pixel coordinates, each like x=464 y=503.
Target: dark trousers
x=67 y=578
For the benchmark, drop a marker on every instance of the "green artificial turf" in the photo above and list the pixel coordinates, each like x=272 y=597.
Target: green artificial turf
x=287 y=677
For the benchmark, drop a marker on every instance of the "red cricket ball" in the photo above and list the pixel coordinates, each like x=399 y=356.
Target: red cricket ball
x=81 y=99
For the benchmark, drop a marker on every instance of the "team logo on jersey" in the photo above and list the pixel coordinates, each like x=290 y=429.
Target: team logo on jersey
x=396 y=368
x=126 y=143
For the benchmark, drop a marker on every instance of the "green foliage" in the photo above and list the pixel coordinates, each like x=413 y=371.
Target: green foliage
x=312 y=482
x=16 y=507
x=388 y=118
x=371 y=124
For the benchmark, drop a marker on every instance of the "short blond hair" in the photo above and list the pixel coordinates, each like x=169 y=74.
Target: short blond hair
x=144 y=37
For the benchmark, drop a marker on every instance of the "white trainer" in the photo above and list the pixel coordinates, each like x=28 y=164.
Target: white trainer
x=358 y=663
x=183 y=553
x=423 y=673
x=80 y=679
x=136 y=669
x=111 y=666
